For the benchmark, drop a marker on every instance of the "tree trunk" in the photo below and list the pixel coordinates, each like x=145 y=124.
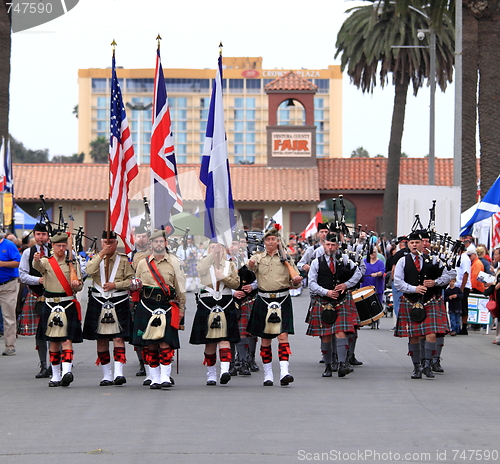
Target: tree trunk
x=470 y=65
x=5 y=46
x=394 y=156
x=489 y=95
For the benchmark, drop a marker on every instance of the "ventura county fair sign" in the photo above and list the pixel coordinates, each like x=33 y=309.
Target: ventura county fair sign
x=291 y=144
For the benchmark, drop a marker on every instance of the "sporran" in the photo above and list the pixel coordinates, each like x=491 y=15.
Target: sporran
x=217 y=324
x=57 y=324
x=108 y=320
x=273 y=318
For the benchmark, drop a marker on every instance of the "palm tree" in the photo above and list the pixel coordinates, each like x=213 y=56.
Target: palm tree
x=5 y=47
x=371 y=36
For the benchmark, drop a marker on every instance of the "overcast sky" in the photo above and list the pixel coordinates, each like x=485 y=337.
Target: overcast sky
x=287 y=34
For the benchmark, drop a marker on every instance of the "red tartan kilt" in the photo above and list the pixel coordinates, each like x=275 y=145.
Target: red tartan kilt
x=353 y=314
x=245 y=312
x=318 y=328
x=28 y=322
x=436 y=320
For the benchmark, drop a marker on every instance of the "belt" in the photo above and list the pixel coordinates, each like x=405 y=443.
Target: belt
x=274 y=295
x=59 y=299
x=7 y=281
x=115 y=294
x=158 y=297
x=209 y=295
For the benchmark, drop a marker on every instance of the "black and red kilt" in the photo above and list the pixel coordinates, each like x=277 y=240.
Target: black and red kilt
x=93 y=315
x=74 y=325
x=246 y=306
x=29 y=320
x=435 y=322
x=141 y=319
x=318 y=328
x=257 y=321
x=200 y=323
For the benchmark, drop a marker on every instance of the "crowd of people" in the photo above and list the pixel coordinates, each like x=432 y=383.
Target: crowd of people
x=241 y=298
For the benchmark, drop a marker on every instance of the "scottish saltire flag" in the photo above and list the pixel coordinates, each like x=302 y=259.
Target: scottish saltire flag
x=214 y=173
x=166 y=194
x=486 y=208
x=122 y=165
x=8 y=181
x=2 y=165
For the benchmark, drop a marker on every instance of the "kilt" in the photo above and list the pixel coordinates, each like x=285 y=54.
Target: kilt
x=74 y=326
x=93 y=314
x=318 y=328
x=257 y=321
x=245 y=311
x=436 y=320
x=141 y=319
x=29 y=320
x=200 y=322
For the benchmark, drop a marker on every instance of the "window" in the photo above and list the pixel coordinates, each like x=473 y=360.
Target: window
x=238 y=137
x=187 y=85
x=181 y=159
x=239 y=149
x=140 y=85
x=236 y=85
x=238 y=126
x=320 y=138
x=102 y=102
x=319 y=115
x=239 y=103
x=253 y=85
x=250 y=115
x=244 y=160
x=102 y=114
x=250 y=150
x=181 y=137
x=203 y=126
x=250 y=125
x=179 y=126
x=181 y=149
x=239 y=114
x=323 y=85
x=102 y=125
x=250 y=138
x=250 y=102
x=98 y=85
x=319 y=103
x=204 y=102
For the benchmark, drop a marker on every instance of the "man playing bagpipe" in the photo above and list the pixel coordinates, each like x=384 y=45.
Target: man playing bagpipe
x=160 y=312
x=272 y=314
x=108 y=312
x=61 y=314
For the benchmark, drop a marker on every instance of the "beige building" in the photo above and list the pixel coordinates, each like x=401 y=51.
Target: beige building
x=189 y=91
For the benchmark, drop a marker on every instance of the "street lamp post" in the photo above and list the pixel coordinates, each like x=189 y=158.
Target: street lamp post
x=139 y=107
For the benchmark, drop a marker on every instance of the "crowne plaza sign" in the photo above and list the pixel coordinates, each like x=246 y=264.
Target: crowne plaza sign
x=296 y=144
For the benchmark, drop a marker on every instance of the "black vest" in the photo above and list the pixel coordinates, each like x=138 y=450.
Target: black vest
x=415 y=278
x=37 y=289
x=325 y=277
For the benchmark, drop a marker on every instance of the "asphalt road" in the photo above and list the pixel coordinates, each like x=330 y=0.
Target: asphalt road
x=376 y=414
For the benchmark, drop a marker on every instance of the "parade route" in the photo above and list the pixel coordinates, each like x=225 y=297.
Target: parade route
x=375 y=414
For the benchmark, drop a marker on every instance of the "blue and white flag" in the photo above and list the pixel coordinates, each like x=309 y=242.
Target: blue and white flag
x=486 y=208
x=214 y=173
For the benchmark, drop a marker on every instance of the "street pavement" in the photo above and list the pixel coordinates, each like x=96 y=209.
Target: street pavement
x=375 y=414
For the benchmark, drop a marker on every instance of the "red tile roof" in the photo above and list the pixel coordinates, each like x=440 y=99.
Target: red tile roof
x=89 y=182
x=341 y=174
x=291 y=81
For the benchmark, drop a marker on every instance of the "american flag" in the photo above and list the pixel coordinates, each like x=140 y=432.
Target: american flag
x=122 y=165
x=214 y=172
x=166 y=194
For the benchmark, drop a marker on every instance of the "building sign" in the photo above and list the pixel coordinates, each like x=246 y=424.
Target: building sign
x=305 y=73
x=250 y=73
x=296 y=144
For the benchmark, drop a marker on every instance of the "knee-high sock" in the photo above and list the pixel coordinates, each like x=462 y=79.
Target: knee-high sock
x=284 y=351
x=266 y=353
x=422 y=348
x=119 y=354
x=352 y=338
x=241 y=346
x=225 y=355
x=326 y=349
x=166 y=356
x=153 y=358
x=414 y=352
x=103 y=358
x=252 y=346
x=430 y=350
x=439 y=346
x=210 y=359
x=342 y=347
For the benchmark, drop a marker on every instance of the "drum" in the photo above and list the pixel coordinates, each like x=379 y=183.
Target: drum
x=369 y=307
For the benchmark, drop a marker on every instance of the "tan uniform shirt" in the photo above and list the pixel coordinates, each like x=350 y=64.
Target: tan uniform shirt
x=170 y=269
x=124 y=273
x=138 y=256
x=231 y=280
x=50 y=281
x=270 y=272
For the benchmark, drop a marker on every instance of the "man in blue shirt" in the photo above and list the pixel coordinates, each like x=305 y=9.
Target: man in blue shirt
x=9 y=288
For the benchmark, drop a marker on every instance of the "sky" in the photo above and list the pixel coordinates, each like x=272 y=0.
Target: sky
x=287 y=34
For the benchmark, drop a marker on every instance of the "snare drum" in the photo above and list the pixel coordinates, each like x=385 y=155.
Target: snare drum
x=369 y=307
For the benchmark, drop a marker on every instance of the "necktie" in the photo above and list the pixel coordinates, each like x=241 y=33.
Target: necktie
x=417 y=263
x=42 y=251
x=332 y=266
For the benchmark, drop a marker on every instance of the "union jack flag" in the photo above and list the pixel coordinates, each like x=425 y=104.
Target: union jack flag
x=166 y=195
x=122 y=165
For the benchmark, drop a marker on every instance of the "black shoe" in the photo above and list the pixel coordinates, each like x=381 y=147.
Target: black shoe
x=67 y=379
x=427 y=371
x=105 y=383
x=44 y=372
x=120 y=380
x=286 y=380
x=225 y=378
x=354 y=362
x=172 y=381
x=54 y=384
x=328 y=371
x=268 y=383
x=344 y=369
x=244 y=369
x=417 y=371
x=155 y=386
x=233 y=372
x=147 y=382
x=253 y=365
x=166 y=385
x=211 y=383
x=142 y=371
x=335 y=364
x=436 y=366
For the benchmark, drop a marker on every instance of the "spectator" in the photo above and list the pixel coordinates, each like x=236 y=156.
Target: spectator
x=454 y=297
x=481 y=255
x=495 y=288
x=374 y=274
x=476 y=268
